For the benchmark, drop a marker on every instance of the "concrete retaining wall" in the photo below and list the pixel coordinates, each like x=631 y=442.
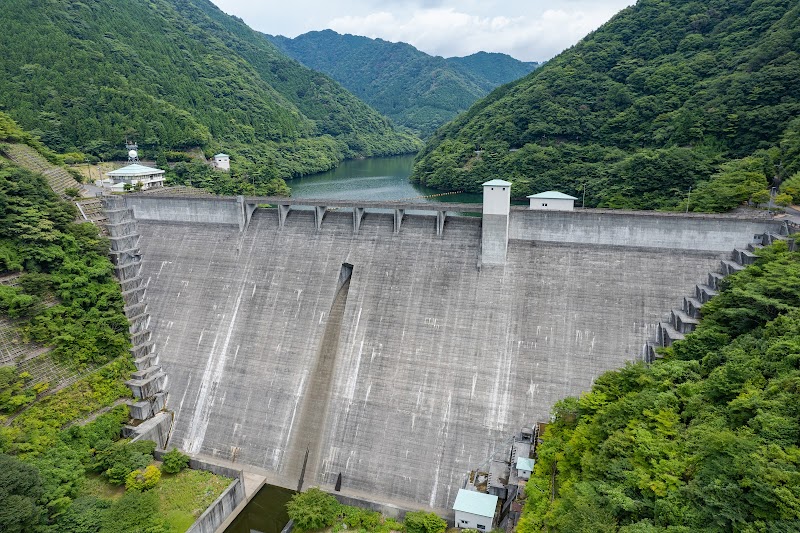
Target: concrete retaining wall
x=224 y=505
x=638 y=229
x=200 y=210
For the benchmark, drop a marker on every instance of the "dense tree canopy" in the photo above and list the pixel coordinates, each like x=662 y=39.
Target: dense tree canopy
x=640 y=110
x=707 y=439
x=414 y=89
x=84 y=76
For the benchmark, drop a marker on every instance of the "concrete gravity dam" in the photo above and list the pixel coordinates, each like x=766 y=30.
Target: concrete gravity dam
x=395 y=348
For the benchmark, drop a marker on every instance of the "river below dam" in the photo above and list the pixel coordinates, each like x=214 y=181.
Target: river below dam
x=375 y=178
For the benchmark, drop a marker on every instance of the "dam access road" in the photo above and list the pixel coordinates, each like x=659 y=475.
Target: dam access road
x=391 y=353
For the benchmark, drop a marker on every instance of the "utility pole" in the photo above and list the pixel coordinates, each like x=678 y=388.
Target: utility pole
x=688 y=199
x=583 y=203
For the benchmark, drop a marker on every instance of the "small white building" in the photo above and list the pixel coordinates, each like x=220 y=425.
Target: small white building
x=552 y=201
x=222 y=162
x=524 y=467
x=475 y=510
x=496 y=197
x=135 y=174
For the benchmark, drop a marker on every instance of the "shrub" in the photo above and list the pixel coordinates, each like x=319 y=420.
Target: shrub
x=119 y=459
x=312 y=509
x=422 y=522
x=783 y=200
x=174 y=461
x=356 y=518
x=143 y=480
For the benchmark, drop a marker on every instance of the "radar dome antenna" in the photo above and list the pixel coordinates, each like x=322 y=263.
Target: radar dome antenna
x=133 y=151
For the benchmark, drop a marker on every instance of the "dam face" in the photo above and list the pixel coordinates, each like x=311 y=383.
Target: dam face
x=403 y=372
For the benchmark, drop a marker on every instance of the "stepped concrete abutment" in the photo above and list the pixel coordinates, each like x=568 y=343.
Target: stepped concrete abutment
x=148 y=383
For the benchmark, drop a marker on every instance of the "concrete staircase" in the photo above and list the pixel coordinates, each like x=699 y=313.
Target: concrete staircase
x=91 y=210
x=57 y=177
x=684 y=320
x=149 y=382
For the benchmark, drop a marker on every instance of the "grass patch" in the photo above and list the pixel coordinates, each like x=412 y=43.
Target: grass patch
x=95 y=485
x=185 y=495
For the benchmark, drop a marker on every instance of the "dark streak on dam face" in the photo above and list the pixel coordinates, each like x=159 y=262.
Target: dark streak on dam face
x=435 y=359
x=306 y=442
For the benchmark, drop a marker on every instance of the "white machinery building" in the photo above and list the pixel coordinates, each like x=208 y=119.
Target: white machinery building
x=552 y=201
x=222 y=162
x=524 y=467
x=475 y=510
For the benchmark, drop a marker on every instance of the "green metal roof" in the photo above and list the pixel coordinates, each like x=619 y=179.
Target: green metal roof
x=497 y=183
x=524 y=463
x=552 y=195
x=469 y=501
x=222 y=155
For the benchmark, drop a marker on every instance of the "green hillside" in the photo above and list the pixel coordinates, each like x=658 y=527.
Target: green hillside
x=173 y=75
x=642 y=109
x=705 y=440
x=414 y=89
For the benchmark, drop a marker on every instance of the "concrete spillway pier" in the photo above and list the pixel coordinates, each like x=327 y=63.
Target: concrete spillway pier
x=430 y=359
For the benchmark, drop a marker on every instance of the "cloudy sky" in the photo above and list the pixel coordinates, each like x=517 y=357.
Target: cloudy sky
x=530 y=30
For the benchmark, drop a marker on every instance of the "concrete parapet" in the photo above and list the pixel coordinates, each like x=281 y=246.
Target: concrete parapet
x=714 y=280
x=682 y=322
x=691 y=306
x=145 y=409
x=641 y=229
x=125 y=242
x=140 y=337
x=145 y=373
x=156 y=429
x=141 y=350
x=119 y=215
x=730 y=267
x=704 y=293
x=131 y=284
x=138 y=323
x=134 y=296
x=149 y=386
x=744 y=257
x=146 y=361
x=128 y=270
x=176 y=209
x=122 y=228
x=136 y=308
x=667 y=334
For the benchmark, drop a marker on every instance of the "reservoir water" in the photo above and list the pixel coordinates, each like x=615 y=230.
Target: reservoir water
x=376 y=178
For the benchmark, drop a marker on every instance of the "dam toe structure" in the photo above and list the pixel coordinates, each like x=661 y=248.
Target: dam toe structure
x=312 y=343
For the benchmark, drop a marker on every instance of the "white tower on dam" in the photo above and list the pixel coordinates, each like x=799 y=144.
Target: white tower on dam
x=494 y=234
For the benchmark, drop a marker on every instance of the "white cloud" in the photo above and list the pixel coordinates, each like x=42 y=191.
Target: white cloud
x=526 y=29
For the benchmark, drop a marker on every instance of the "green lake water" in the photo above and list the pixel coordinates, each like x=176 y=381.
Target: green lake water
x=376 y=178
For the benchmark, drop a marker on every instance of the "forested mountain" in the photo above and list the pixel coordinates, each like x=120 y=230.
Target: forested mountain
x=641 y=110
x=174 y=74
x=414 y=89
x=705 y=440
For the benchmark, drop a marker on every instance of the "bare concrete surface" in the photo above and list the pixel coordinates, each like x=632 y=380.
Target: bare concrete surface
x=435 y=360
